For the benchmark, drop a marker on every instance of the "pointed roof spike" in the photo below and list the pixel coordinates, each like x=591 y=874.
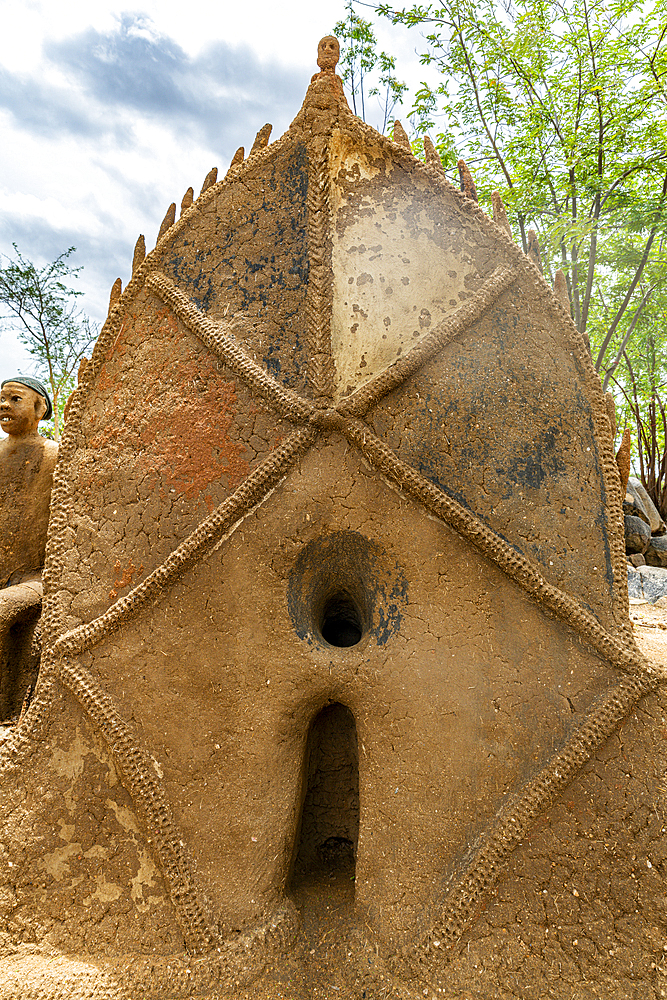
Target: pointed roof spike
x=187 y=199
x=401 y=136
x=467 y=183
x=432 y=158
x=624 y=459
x=262 y=138
x=168 y=221
x=139 y=254
x=533 y=251
x=210 y=179
x=116 y=289
x=561 y=292
x=563 y=296
x=237 y=160
x=499 y=213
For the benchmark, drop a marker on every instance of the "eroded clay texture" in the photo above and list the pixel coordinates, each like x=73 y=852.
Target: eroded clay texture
x=82 y=877
x=403 y=262
x=455 y=709
x=171 y=433
x=246 y=256
x=335 y=610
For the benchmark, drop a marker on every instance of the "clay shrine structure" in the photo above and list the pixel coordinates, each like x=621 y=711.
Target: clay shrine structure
x=335 y=596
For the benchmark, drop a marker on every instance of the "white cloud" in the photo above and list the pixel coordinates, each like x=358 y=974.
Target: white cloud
x=109 y=113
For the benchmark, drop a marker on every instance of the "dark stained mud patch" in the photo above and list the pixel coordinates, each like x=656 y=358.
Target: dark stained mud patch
x=343 y=586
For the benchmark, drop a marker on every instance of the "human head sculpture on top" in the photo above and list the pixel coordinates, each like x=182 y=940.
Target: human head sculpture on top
x=328 y=53
x=24 y=402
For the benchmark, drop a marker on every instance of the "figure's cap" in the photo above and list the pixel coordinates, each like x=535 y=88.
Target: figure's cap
x=36 y=386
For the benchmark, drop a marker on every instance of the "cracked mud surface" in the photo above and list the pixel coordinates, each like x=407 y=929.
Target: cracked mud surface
x=199 y=689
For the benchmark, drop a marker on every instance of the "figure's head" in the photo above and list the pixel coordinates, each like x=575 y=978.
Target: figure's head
x=23 y=403
x=328 y=52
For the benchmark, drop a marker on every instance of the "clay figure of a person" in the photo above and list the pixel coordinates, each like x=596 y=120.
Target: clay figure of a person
x=27 y=461
x=328 y=54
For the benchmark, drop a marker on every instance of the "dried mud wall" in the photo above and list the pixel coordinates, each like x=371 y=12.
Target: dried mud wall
x=334 y=383
x=500 y=419
x=78 y=874
x=456 y=699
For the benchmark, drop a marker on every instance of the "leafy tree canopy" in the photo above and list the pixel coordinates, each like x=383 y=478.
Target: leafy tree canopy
x=41 y=306
x=365 y=71
x=561 y=105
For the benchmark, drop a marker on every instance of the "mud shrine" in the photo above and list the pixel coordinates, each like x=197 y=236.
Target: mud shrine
x=338 y=692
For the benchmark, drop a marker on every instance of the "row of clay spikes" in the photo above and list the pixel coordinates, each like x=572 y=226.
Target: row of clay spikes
x=499 y=214
x=401 y=138
x=261 y=141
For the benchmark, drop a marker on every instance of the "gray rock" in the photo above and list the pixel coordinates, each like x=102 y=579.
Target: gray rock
x=658 y=526
x=649 y=582
x=634 y=584
x=656 y=553
x=633 y=505
x=637 y=535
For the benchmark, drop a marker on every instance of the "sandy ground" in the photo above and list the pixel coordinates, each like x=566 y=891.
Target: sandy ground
x=649 y=624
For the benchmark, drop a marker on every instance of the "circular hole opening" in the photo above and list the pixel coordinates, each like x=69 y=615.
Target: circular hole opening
x=341 y=621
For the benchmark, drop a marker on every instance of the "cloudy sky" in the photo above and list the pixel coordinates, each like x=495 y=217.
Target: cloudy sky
x=110 y=111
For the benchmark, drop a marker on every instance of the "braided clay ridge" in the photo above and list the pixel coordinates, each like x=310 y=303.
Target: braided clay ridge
x=514 y=821
x=234 y=508
x=21 y=740
x=61 y=504
x=284 y=401
x=320 y=276
x=515 y=565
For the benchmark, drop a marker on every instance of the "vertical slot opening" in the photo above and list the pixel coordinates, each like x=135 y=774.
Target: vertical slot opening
x=329 y=827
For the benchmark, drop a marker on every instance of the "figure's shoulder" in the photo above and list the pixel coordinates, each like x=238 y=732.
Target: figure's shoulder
x=50 y=450
x=40 y=449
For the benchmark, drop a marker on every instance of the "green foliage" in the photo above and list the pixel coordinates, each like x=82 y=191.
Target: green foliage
x=365 y=71
x=561 y=106
x=640 y=387
x=40 y=305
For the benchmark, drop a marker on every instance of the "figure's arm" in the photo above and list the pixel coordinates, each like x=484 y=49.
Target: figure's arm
x=19 y=602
